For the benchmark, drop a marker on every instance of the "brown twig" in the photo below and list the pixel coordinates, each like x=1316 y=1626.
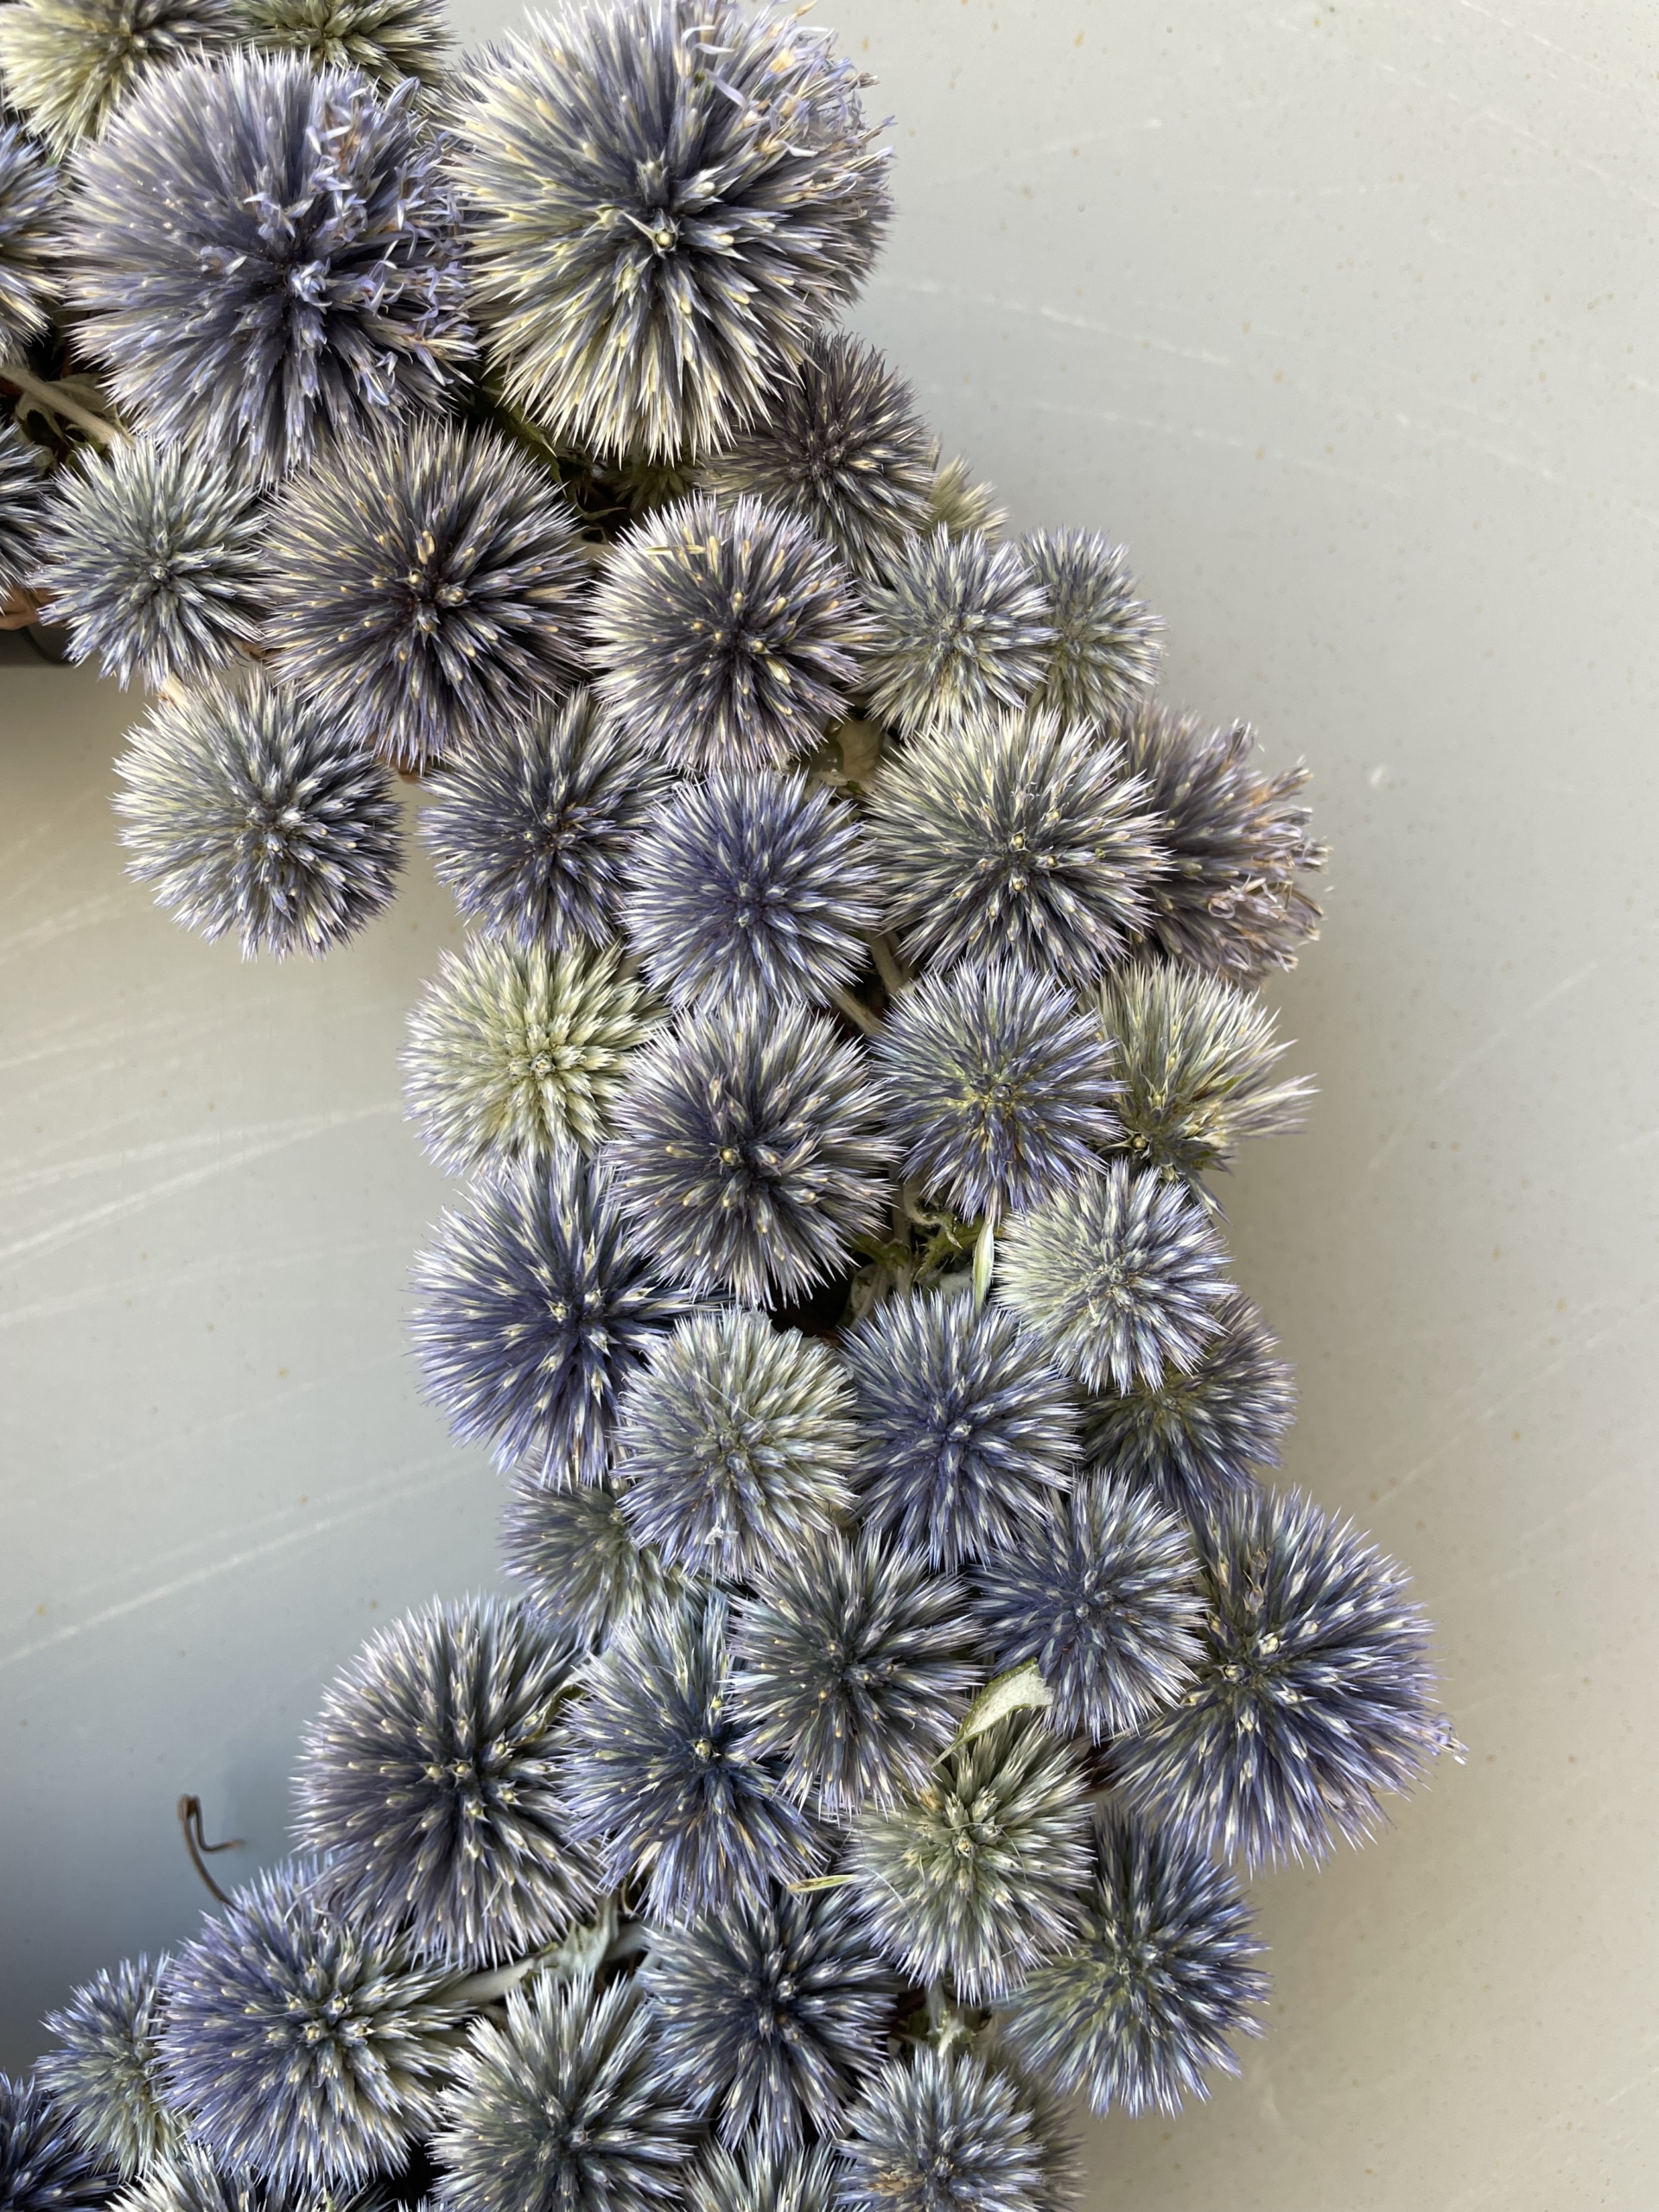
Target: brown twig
x=196 y=1843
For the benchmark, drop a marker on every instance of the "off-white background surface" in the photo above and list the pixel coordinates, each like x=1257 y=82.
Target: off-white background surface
x=1344 y=318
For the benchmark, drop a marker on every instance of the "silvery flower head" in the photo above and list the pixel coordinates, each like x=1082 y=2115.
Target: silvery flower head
x=247 y=811
x=106 y=2073
x=1103 y=1593
x=667 y=199
x=187 y=2180
x=299 y=2045
x=1107 y=646
x=725 y=634
x=534 y=1311
x=23 y=505
x=153 y=559
x=425 y=587
x=1024 y=837
x=1119 y=1278
x=959 y=505
x=1142 y=2011
x=262 y=253
x=751 y=880
x=386 y=40
x=754 y=2180
x=561 y=2107
x=736 y=1445
x=997 y=1087
x=29 y=199
x=43 y=2166
x=945 y=2130
x=573 y=1552
x=966 y=1426
x=960 y=632
x=747 y=1157
x=1313 y=1692
x=67 y=63
x=512 y=1054
x=979 y=1877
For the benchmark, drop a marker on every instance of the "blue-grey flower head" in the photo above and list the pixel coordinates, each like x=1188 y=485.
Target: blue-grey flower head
x=386 y=40
x=979 y=1877
x=574 y=1555
x=966 y=1426
x=1103 y=1594
x=843 y=446
x=768 y=2015
x=28 y=203
x=1119 y=1278
x=153 y=559
x=959 y=505
x=561 y=2107
x=106 y=2073
x=67 y=63
x=746 y=1156
x=997 y=1087
x=299 y=2045
x=751 y=880
x=663 y=1782
x=1314 y=1694
x=189 y=2181
x=725 y=634
x=23 y=506
x=246 y=811
x=534 y=1311
x=1024 y=836
x=43 y=2166
x=666 y=197
x=945 y=2130
x=1107 y=646
x=753 y=2180
x=959 y=632
x=425 y=587
x=853 y=1662
x=736 y=1445
x=262 y=253
x=1142 y=2011
x=536 y=828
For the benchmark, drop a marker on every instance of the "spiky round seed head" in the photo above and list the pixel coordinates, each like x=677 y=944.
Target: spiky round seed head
x=751 y=881
x=1238 y=841
x=1119 y=1278
x=957 y=504
x=945 y=2131
x=536 y=829
x=1140 y=2011
x=725 y=634
x=576 y=1557
x=1103 y=1594
x=995 y=1087
x=67 y=63
x=852 y=1665
x=1314 y=1691
x=747 y=1155
x=841 y=447
x=979 y=1877
x=425 y=587
x=246 y=811
x=43 y=2167
x=667 y=199
x=512 y=1053
x=153 y=559
x=298 y=2045
x=766 y=2016
x=386 y=39
x=534 y=1311
x=189 y=2181
x=735 y=1446
x=753 y=2180
x=262 y=253
x=966 y=1426
x=959 y=631
x=1026 y=837
x=105 y=2073
x=1107 y=645
x=29 y=202
x=22 y=504
x=560 y=2107
x=663 y=1783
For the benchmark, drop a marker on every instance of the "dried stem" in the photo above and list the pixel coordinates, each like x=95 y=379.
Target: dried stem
x=196 y=1843
x=855 y=1010
x=17 y=378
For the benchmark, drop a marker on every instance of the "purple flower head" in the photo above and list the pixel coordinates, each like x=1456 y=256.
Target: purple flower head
x=106 y=2073
x=960 y=631
x=28 y=204
x=1106 y=645
x=947 y=2130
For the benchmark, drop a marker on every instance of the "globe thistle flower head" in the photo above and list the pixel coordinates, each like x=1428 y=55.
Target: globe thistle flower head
x=853 y=1666
x=765 y=2016
x=662 y=1781
x=1107 y=646
x=561 y=2107
x=753 y=2180
x=945 y=2130
x=246 y=811
x=751 y=881
x=154 y=562
x=105 y=2073
x=997 y=1087
x=841 y=447
x=187 y=2180
x=1025 y=838
x=424 y=585
x=574 y=1556
x=535 y=1309
x=512 y=1054
x=535 y=828
x=28 y=191
x=957 y=504
x=747 y=1155
x=979 y=1877
x=1118 y=1278
x=23 y=506
x=960 y=630
x=386 y=40
x=736 y=1445
x=1140 y=2011
x=1313 y=1694
x=1103 y=1594
x=43 y=2165
x=966 y=1426
x=725 y=635
x=65 y=63
x=666 y=200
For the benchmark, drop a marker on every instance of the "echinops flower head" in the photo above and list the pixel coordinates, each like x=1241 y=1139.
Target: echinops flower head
x=65 y=63
x=959 y=505
x=753 y=2180
x=386 y=40
x=1107 y=645
x=43 y=2165
x=106 y=2072
x=29 y=201
x=571 y=1550
x=23 y=506
x=945 y=2130
x=189 y=2181
x=960 y=632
